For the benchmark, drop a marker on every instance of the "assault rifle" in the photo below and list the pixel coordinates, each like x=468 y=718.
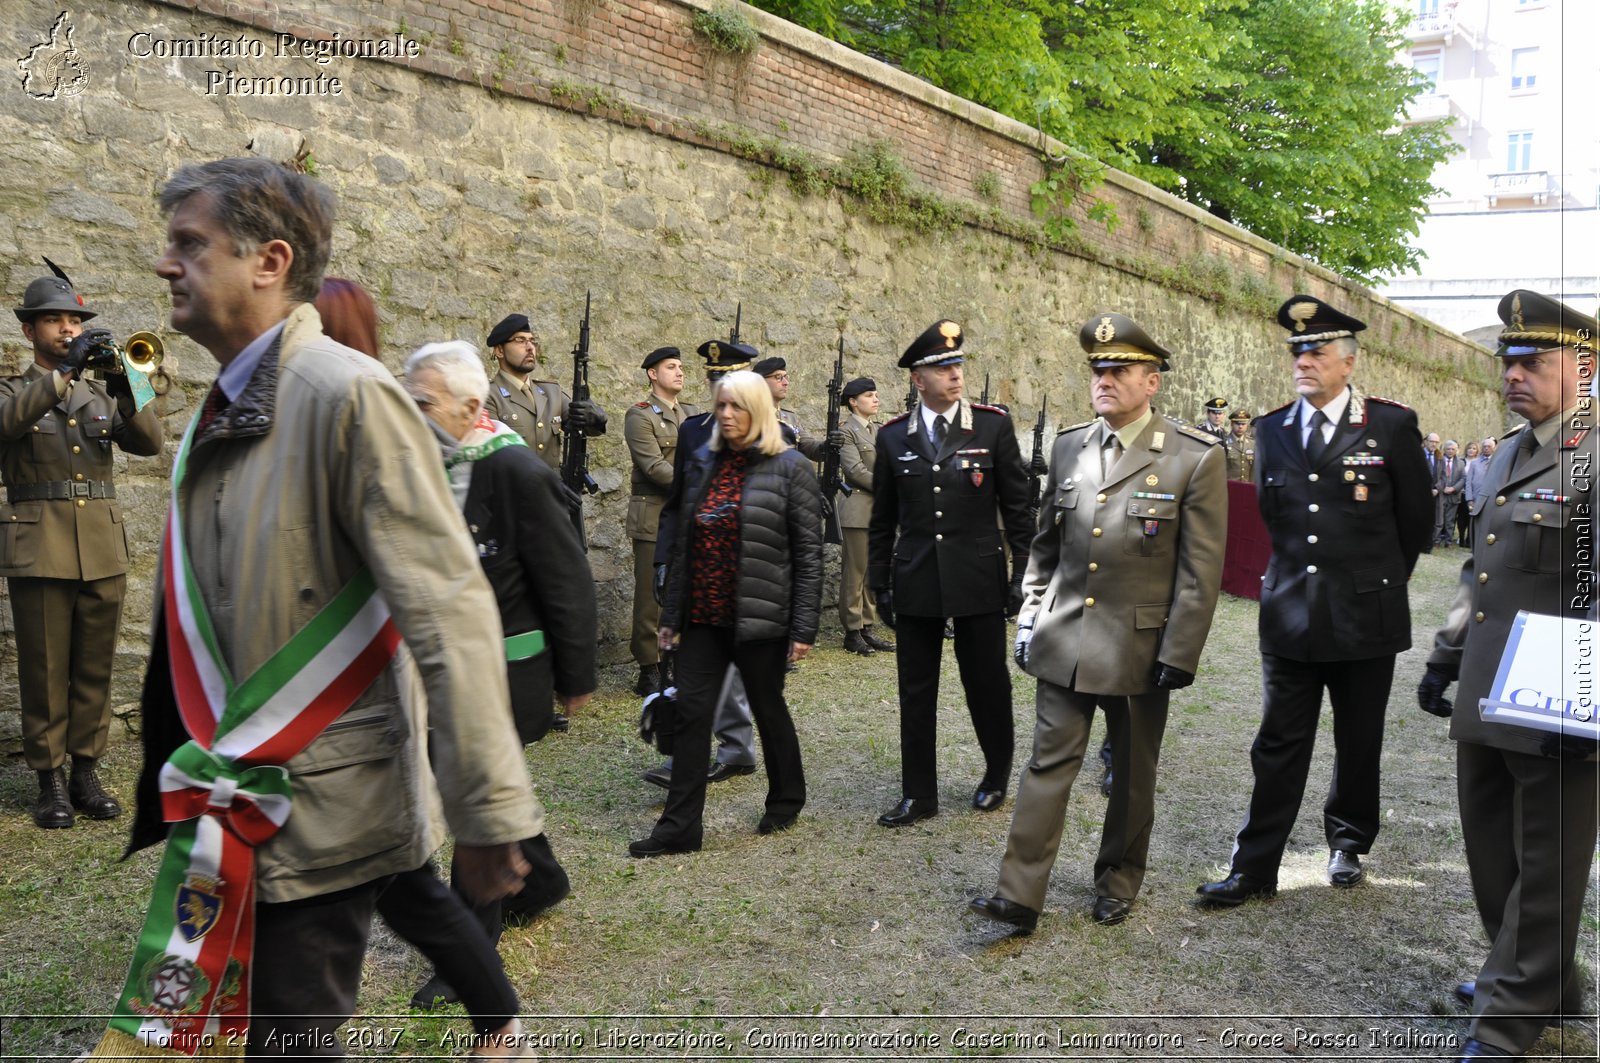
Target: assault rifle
x=575 y=446
x=1034 y=492
x=911 y=395
x=832 y=470
x=983 y=400
x=733 y=333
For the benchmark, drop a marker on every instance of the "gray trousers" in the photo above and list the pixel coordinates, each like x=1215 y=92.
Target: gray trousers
x=1134 y=725
x=733 y=724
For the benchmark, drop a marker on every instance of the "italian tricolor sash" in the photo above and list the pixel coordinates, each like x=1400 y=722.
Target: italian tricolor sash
x=225 y=791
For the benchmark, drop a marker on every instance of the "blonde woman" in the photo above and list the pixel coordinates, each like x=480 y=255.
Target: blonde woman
x=744 y=586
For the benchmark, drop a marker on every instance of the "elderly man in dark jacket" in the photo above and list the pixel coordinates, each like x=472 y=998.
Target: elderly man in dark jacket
x=744 y=586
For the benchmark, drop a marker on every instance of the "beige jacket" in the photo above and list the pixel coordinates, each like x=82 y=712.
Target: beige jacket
x=1121 y=578
x=310 y=476
x=856 y=460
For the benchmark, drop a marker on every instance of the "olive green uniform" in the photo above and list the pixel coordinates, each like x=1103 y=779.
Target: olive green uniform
x=65 y=552
x=535 y=413
x=651 y=430
x=1241 y=456
x=857 y=457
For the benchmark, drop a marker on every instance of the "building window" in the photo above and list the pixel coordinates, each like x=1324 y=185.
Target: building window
x=1425 y=71
x=1524 y=69
x=1427 y=8
x=1519 y=152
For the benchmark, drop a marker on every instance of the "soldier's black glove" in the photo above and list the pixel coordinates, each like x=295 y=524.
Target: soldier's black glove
x=884 y=600
x=1019 y=652
x=658 y=585
x=1037 y=466
x=84 y=345
x=1170 y=678
x=117 y=385
x=1014 y=598
x=1566 y=747
x=836 y=439
x=1430 y=692
x=586 y=417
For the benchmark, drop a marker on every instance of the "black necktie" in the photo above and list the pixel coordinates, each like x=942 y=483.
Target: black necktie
x=1315 y=444
x=940 y=426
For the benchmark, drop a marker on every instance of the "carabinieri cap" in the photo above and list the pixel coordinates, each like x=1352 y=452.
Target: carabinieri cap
x=1312 y=322
x=939 y=344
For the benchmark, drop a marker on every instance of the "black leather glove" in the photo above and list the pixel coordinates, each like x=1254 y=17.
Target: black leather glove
x=836 y=439
x=1019 y=652
x=1566 y=747
x=579 y=415
x=1014 y=598
x=658 y=584
x=117 y=385
x=1170 y=678
x=884 y=600
x=1430 y=692
x=85 y=344
x=1037 y=466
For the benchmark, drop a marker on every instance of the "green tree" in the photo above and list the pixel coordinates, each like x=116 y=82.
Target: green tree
x=1277 y=115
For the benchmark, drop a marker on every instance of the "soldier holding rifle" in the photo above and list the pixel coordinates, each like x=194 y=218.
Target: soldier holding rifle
x=536 y=409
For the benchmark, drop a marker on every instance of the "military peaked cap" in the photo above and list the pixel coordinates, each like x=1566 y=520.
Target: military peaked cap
x=1536 y=322
x=1312 y=322
x=724 y=356
x=1116 y=339
x=939 y=344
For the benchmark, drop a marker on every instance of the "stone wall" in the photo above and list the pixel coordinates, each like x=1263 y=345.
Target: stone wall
x=533 y=150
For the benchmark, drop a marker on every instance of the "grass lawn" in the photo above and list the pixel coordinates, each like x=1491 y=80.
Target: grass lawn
x=841 y=938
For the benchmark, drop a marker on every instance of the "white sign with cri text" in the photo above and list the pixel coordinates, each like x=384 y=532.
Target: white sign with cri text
x=1547 y=676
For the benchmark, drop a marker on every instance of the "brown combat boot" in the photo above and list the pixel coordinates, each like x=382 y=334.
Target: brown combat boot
x=88 y=796
x=52 y=811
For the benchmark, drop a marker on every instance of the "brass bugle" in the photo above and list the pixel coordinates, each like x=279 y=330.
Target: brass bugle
x=144 y=351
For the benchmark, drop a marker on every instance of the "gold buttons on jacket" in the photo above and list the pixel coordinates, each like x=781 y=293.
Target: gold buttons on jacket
x=1500 y=500
x=1096 y=533
x=35 y=428
x=1088 y=603
x=1478 y=618
x=1537 y=517
x=1489 y=539
x=1483 y=577
x=1100 y=497
x=77 y=476
x=79 y=450
x=81 y=503
x=72 y=422
x=1094 y=566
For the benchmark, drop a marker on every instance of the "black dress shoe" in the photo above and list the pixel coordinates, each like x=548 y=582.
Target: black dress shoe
x=1105 y=783
x=1465 y=991
x=1109 y=911
x=52 y=811
x=435 y=993
x=720 y=771
x=1235 y=890
x=854 y=643
x=909 y=811
x=560 y=722
x=1476 y=1049
x=649 y=680
x=1344 y=869
x=987 y=800
x=771 y=824
x=999 y=909
x=874 y=641
x=88 y=796
x=660 y=775
x=653 y=846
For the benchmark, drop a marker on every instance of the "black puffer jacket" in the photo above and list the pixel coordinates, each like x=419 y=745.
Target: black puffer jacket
x=780 y=547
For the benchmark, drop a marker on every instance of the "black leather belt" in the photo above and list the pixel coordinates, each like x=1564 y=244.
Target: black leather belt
x=61 y=490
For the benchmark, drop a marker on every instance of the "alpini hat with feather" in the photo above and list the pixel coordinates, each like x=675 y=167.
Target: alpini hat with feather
x=1312 y=322
x=51 y=295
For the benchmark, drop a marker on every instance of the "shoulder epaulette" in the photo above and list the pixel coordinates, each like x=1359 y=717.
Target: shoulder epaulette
x=1074 y=427
x=645 y=405
x=1196 y=433
x=1273 y=413
x=1386 y=402
x=1514 y=431
x=897 y=419
x=990 y=407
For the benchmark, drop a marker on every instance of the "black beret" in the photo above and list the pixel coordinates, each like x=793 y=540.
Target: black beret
x=1536 y=322
x=939 y=344
x=859 y=386
x=659 y=355
x=1116 y=339
x=1312 y=322
x=509 y=326
x=768 y=366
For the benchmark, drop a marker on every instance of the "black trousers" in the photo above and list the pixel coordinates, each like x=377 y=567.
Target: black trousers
x=981 y=656
x=704 y=654
x=1281 y=756
x=307 y=971
x=436 y=920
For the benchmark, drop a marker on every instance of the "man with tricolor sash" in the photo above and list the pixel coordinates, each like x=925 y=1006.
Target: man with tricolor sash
x=326 y=669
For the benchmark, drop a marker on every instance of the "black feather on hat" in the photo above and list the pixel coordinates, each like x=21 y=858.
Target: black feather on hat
x=51 y=295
